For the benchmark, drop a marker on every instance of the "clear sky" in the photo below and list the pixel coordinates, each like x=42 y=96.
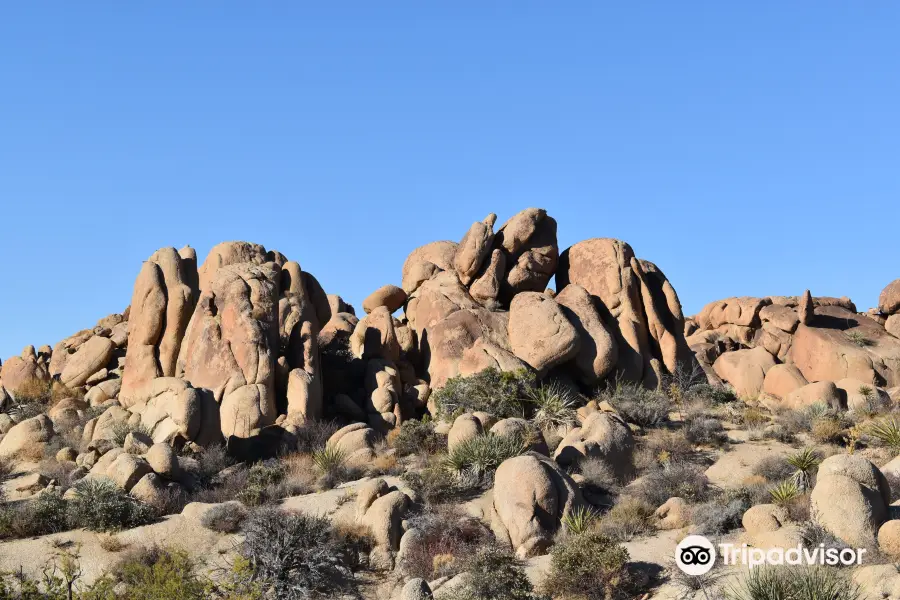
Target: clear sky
x=746 y=148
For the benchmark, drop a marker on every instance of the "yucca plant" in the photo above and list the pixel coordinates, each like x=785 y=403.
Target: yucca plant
x=481 y=455
x=330 y=459
x=580 y=520
x=811 y=583
x=784 y=492
x=805 y=462
x=554 y=406
x=886 y=431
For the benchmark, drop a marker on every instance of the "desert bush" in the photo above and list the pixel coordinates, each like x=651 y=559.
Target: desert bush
x=167 y=574
x=479 y=457
x=331 y=463
x=794 y=583
x=211 y=461
x=123 y=428
x=34 y=391
x=638 y=404
x=552 y=406
x=599 y=476
x=446 y=539
x=754 y=490
x=675 y=479
x=713 y=394
x=48 y=513
x=312 y=436
x=662 y=447
x=294 y=556
x=436 y=483
x=494 y=574
x=705 y=431
x=100 y=505
x=628 y=518
x=224 y=518
x=590 y=566
x=111 y=542
x=262 y=480
x=416 y=436
x=858 y=338
x=828 y=430
x=499 y=393
x=773 y=468
x=718 y=516
x=784 y=492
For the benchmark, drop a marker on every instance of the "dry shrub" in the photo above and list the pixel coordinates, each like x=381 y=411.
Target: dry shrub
x=828 y=430
x=111 y=542
x=446 y=538
x=599 y=476
x=385 y=464
x=224 y=518
x=773 y=468
x=674 y=479
x=628 y=518
x=660 y=446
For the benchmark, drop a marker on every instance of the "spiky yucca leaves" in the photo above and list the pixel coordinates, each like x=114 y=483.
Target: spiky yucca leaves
x=784 y=492
x=479 y=457
x=554 y=406
x=886 y=431
x=580 y=520
x=791 y=583
x=805 y=462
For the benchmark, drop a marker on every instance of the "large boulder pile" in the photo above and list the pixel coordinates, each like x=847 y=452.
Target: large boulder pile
x=777 y=347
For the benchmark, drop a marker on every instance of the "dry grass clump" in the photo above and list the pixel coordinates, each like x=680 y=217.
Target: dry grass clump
x=674 y=479
x=660 y=447
x=629 y=517
x=638 y=404
x=446 y=537
x=111 y=542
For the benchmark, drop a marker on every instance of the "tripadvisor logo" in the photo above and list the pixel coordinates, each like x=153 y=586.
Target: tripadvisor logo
x=696 y=555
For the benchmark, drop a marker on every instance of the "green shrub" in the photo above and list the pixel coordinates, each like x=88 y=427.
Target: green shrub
x=794 y=583
x=714 y=394
x=294 y=556
x=784 y=492
x=163 y=574
x=499 y=393
x=553 y=406
x=718 y=516
x=858 y=338
x=436 y=483
x=805 y=462
x=416 y=436
x=479 y=457
x=887 y=432
x=45 y=514
x=261 y=478
x=494 y=575
x=100 y=505
x=332 y=464
x=580 y=520
x=590 y=566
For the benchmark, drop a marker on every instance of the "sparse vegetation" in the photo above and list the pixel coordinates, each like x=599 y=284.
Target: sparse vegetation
x=294 y=556
x=479 y=457
x=331 y=463
x=784 y=492
x=494 y=575
x=805 y=462
x=704 y=430
x=99 y=505
x=123 y=428
x=499 y=393
x=415 y=436
x=224 y=518
x=637 y=404
x=581 y=519
x=590 y=566
x=794 y=583
x=858 y=338
x=446 y=539
x=887 y=432
x=628 y=518
x=675 y=479
x=553 y=405
x=718 y=516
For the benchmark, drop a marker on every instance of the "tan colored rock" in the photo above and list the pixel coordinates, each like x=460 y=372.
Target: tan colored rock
x=436 y=299
x=531 y=495
x=665 y=319
x=743 y=312
x=161 y=307
x=416 y=589
x=137 y=442
x=444 y=344
x=539 y=332
x=889 y=538
x=528 y=240
x=232 y=343
x=806 y=309
x=163 y=461
x=829 y=352
x=781 y=380
x=878 y=581
x=860 y=395
x=150 y=489
x=340 y=327
x=356 y=441
x=673 y=514
x=745 y=370
x=127 y=469
x=228 y=253
x=602 y=435
x=487 y=286
x=304 y=398
x=389 y=296
x=367 y=493
x=425 y=262
x=103 y=392
x=171 y=407
x=764 y=518
x=598 y=351
x=66 y=454
x=783 y=317
x=375 y=337
x=92 y=356
x=602 y=266
x=486 y=355
x=892 y=325
x=27 y=439
x=850 y=499
x=465 y=427
x=474 y=248
x=889 y=299
x=16 y=373
x=384 y=517
x=824 y=392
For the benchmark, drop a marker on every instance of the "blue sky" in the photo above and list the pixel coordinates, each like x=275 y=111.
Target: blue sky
x=746 y=149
